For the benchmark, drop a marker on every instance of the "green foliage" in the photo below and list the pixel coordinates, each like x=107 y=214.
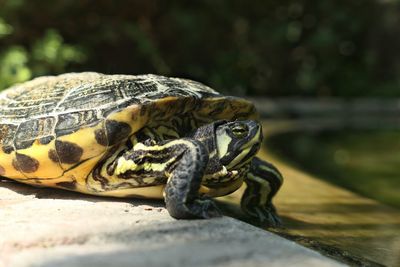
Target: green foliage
x=5 y=29
x=290 y=47
x=50 y=54
x=13 y=66
x=46 y=55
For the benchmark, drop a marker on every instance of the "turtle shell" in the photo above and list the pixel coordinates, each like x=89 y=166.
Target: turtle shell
x=54 y=129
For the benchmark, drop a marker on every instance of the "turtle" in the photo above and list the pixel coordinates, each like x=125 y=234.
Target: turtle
x=137 y=136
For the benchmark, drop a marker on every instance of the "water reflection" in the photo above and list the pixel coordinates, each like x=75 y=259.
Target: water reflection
x=321 y=212
x=366 y=162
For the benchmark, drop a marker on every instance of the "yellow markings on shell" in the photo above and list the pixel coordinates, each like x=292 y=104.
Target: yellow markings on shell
x=149 y=192
x=48 y=182
x=6 y=163
x=231 y=107
x=167 y=106
x=47 y=168
x=130 y=115
x=85 y=139
x=127 y=115
x=80 y=173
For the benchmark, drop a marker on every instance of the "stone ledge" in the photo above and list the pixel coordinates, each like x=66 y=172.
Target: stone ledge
x=45 y=227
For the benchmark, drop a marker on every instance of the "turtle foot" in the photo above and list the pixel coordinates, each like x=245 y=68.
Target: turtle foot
x=265 y=217
x=198 y=209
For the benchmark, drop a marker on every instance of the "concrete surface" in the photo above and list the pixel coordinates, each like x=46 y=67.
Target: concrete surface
x=45 y=227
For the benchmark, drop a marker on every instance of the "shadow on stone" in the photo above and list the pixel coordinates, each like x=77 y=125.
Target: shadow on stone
x=55 y=193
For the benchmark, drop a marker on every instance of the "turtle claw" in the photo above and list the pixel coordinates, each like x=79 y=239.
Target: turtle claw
x=265 y=217
x=200 y=208
x=204 y=209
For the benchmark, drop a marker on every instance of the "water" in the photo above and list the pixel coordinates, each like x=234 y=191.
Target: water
x=366 y=162
x=335 y=184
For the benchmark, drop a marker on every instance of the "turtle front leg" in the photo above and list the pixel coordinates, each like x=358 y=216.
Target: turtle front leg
x=263 y=181
x=182 y=189
x=182 y=163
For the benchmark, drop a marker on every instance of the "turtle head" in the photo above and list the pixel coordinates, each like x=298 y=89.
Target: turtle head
x=237 y=142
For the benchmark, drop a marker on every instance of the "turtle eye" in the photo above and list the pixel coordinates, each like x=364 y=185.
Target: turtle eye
x=240 y=130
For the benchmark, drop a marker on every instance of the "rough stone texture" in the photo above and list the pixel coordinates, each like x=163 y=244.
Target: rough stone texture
x=44 y=227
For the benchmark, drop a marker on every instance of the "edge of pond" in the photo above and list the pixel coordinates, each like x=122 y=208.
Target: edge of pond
x=343 y=255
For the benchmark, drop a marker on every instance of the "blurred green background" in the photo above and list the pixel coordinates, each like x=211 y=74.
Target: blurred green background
x=274 y=48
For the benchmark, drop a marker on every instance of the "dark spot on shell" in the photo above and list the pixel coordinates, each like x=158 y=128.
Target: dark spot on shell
x=45 y=140
x=8 y=149
x=117 y=131
x=2 y=170
x=67 y=152
x=25 y=163
x=67 y=185
x=101 y=137
x=53 y=155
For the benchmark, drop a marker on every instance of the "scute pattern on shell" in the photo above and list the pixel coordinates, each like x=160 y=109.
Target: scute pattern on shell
x=58 y=105
x=60 y=131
